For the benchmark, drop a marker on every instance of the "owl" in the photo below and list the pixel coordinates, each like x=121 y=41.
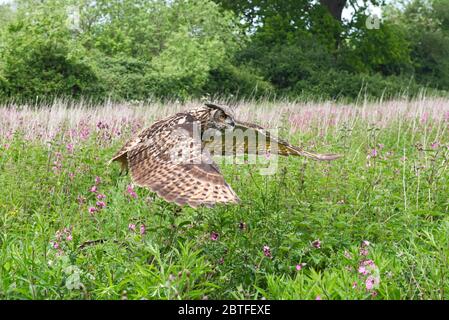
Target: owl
x=173 y=157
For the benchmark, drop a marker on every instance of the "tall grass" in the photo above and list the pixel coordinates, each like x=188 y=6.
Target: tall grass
x=372 y=225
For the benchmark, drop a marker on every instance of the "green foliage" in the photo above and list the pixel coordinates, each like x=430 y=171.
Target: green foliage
x=138 y=50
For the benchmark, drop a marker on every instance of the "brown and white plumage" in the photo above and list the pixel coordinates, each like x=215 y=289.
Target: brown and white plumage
x=173 y=157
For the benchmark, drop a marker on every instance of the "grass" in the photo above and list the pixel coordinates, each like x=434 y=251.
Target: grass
x=373 y=225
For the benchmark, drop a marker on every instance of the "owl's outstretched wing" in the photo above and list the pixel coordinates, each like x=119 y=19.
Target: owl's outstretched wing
x=248 y=138
x=172 y=162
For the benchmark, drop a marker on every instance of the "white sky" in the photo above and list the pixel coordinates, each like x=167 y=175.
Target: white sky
x=347 y=12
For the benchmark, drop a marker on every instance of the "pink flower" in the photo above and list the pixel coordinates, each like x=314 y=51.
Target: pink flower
x=435 y=145
x=93 y=189
x=101 y=204
x=214 y=236
x=142 y=229
x=92 y=210
x=69 y=237
x=369 y=283
x=131 y=192
x=101 y=196
x=318 y=297
x=132 y=227
x=374 y=294
x=363 y=252
x=70 y=148
x=55 y=245
x=354 y=285
x=365 y=243
x=363 y=270
x=299 y=266
x=97 y=180
x=368 y=263
x=374 y=153
x=316 y=244
x=267 y=251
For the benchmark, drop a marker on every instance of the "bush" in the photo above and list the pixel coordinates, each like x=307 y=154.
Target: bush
x=241 y=82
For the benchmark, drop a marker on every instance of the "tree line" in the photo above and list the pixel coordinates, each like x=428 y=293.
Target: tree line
x=181 y=49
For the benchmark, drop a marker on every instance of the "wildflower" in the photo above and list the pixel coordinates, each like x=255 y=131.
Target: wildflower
x=93 y=189
x=316 y=244
x=318 y=297
x=362 y=270
x=299 y=266
x=214 y=236
x=132 y=227
x=374 y=294
x=101 y=204
x=101 y=196
x=69 y=237
x=92 y=210
x=363 y=252
x=55 y=245
x=354 y=285
x=131 y=192
x=370 y=282
x=365 y=243
x=70 y=148
x=347 y=255
x=71 y=176
x=435 y=145
x=97 y=180
x=142 y=229
x=267 y=251
x=374 y=153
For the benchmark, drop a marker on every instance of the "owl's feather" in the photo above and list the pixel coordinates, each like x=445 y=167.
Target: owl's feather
x=249 y=138
x=171 y=162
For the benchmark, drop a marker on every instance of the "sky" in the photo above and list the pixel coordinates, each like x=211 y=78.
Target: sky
x=347 y=12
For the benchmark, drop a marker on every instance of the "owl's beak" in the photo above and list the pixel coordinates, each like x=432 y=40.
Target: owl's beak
x=230 y=123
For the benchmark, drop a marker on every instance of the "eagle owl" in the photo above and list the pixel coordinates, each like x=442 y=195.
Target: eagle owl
x=173 y=157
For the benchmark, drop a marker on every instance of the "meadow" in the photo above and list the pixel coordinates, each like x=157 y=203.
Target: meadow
x=372 y=225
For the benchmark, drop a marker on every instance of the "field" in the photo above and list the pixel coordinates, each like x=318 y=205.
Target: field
x=372 y=225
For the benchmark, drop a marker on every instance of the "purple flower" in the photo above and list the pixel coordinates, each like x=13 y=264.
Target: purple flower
x=132 y=227
x=371 y=282
x=101 y=204
x=214 y=236
x=131 y=192
x=69 y=237
x=142 y=229
x=435 y=145
x=93 y=189
x=316 y=244
x=70 y=148
x=55 y=245
x=101 y=196
x=97 y=180
x=318 y=297
x=362 y=270
x=267 y=251
x=374 y=153
x=299 y=266
x=92 y=210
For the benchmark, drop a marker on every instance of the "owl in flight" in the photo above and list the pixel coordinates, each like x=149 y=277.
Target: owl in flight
x=173 y=157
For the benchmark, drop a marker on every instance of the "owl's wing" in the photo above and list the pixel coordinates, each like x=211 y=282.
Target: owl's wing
x=248 y=138
x=173 y=163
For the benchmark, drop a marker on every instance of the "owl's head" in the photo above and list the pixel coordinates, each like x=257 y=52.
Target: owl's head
x=219 y=118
